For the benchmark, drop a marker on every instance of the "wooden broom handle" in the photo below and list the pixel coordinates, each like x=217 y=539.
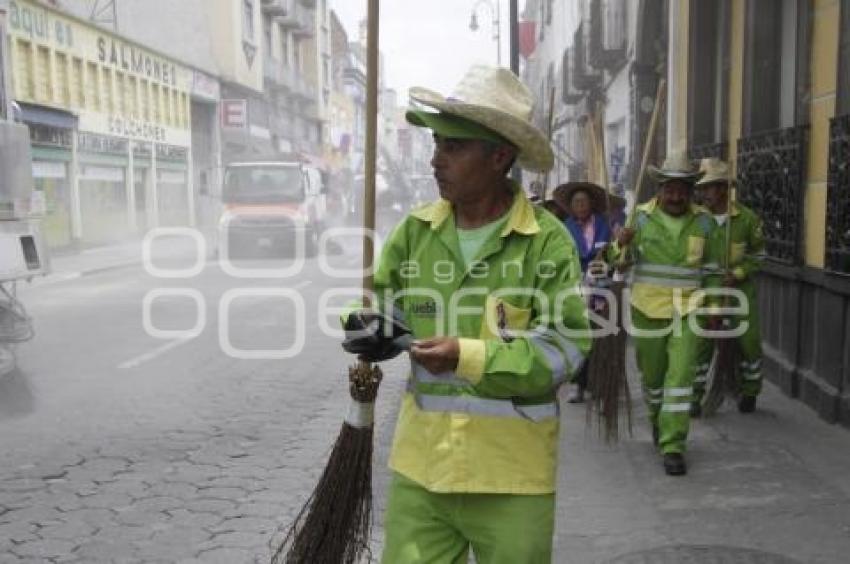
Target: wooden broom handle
x=371 y=150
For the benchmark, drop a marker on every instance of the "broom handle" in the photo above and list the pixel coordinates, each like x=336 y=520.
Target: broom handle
x=549 y=137
x=371 y=150
x=650 y=135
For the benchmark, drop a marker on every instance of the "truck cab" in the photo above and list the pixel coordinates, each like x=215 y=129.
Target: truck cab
x=271 y=208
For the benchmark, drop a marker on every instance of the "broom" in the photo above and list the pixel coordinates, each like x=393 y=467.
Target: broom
x=722 y=372
x=608 y=381
x=334 y=526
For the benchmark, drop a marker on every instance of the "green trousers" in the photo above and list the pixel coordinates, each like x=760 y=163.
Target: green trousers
x=749 y=357
x=422 y=527
x=666 y=362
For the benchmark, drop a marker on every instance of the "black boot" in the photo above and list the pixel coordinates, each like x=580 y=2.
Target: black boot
x=674 y=464
x=747 y=404
x=655 y=435
x=696 y=410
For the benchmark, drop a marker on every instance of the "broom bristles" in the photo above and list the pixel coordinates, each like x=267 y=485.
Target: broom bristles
x=722 y=375
x=608 y=381
x=335 y=524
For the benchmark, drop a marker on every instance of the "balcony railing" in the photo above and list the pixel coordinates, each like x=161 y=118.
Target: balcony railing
x=583 y=76
x=275 y=7
x=771 y=176
x=838 y=197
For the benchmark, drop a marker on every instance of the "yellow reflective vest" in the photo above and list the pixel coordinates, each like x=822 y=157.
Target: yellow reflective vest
x=491 y=426
x=668 y=270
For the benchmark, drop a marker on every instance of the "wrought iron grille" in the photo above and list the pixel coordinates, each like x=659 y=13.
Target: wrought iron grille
x=719 y=150
x=770 y=173
x=838 y=198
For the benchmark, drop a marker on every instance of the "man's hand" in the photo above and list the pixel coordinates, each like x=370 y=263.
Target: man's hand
x=625 y=236
x=437 y=355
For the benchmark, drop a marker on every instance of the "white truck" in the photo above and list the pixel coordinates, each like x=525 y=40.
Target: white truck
x=22 y=249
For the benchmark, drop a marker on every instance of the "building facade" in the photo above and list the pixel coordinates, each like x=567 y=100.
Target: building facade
x=764 y=83
x=599 y=62
x=110 y=122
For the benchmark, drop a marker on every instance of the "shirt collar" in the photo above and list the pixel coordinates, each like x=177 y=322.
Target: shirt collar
x=520 y=217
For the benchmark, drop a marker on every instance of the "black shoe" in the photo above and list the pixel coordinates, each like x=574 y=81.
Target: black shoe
x=696 y=410
x=655 y=435
x=747 y=404
x=674 y=464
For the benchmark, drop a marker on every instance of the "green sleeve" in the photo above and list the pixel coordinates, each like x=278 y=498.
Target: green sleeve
x=751 y=263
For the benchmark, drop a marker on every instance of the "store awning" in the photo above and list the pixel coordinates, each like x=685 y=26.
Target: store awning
x=44 y=115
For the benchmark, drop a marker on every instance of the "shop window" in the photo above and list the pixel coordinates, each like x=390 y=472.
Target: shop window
x=92 y=82
x=776 y=58
x=76 y=86
x=106 y=88
x=121 y=94
x=43 y=76
x=248 y=20
x=708 y=77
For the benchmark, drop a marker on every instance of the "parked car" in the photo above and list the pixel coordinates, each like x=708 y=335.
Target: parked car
x=268 y=207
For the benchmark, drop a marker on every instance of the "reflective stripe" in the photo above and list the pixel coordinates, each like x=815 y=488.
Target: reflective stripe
x=555 y=359
x=753 y=377
x=653 y=391
x=711 y=266
x=676 y=407
x=421 y=374
x=678 y=392
x=574 y=356
x=667 y=282
x=486 y=406
x=752 y=366
x=652 y=401
x=666 y=269
x=701 y=379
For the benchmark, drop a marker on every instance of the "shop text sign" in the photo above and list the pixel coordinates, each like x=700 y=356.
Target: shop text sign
x=42 y=25
x=135 y=128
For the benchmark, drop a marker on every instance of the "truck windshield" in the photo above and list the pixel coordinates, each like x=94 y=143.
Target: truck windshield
x=263 y=185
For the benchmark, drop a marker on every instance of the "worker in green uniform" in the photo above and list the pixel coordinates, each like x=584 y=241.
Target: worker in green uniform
x=669 y=242
x=488 y=285
x=746 y=252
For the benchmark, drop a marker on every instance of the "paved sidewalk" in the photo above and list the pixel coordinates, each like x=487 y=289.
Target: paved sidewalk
x=167 y=252
x=770 y=487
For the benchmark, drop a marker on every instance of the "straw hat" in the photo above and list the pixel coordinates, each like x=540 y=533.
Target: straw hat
x=714 y=171
x=677 y=166
x=495 y=98
x=564 y=195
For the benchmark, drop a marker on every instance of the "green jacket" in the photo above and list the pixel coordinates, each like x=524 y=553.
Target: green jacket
x=491 y=426
x=668 y=272
x=746 y=251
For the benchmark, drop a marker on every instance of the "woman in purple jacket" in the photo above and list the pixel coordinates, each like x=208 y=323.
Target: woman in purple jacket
x=589 y=227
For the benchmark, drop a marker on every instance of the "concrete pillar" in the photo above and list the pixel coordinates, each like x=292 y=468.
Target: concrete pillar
x=74 y=183
x=677 y=75
x=130 y=182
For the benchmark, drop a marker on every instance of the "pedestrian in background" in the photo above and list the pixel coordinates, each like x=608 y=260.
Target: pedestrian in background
x=746 y=254
x=670 y=244
x=585 y=203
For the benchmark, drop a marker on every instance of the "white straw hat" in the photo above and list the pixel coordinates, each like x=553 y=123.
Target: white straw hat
x=677 y=166
x=495 y=98
x=714 y=171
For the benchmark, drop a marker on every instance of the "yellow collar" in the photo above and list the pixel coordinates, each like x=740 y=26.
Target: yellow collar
x=520 y=217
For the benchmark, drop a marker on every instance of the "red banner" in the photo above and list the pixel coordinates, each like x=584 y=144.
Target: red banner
x=527 y=38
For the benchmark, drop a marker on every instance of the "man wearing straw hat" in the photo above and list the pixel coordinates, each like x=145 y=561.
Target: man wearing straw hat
x=670 y=244
x=488 y=285
x=746 y=252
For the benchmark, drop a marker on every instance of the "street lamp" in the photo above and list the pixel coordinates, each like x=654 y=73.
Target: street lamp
x=497 y=35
